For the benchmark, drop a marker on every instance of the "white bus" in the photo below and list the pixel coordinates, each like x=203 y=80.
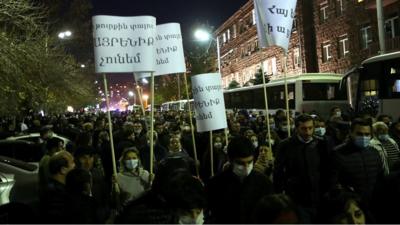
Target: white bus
x=180 y=105
x=308 y=92
x=376 y=84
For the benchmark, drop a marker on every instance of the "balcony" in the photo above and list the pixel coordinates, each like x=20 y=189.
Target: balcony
x=392 y=44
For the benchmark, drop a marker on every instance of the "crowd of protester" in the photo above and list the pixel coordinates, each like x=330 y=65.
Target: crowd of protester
x=340 y=169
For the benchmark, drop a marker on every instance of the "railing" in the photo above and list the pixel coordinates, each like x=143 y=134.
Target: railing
x=392 y=44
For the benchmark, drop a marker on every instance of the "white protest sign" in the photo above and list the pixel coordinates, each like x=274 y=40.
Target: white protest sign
x=209 y=102
x=170 y=57
x=124 y=44
x=274 y=22
x=169 y=49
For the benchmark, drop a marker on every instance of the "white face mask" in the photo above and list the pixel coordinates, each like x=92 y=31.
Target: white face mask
x=255 y=144
x=131 y=164
x=339 y=113
x=272 y=141
x=241 y=171
x=191 y=220
x=217 y=145
x=320 y=131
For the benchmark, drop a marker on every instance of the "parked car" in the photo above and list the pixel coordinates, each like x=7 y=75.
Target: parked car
x=34 y=137
x=23 y=179
x=6 y=183
x=23 y=150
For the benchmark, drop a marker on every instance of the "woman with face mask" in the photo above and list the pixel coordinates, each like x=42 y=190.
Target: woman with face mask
x=132 y=179
x=220 y=157
x=265 y=160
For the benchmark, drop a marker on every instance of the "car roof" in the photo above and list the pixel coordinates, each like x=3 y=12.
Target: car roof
x=17 y=163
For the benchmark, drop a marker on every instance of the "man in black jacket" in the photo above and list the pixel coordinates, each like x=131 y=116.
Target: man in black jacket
x=300 y=167
x=233 y=194
x=355 y=164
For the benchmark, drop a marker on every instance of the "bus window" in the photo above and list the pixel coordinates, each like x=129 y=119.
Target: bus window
x=369 y=88
x=396 y=86
x=322 y=91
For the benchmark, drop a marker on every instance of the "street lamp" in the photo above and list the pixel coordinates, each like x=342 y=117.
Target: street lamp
x=203 y=35
x=145 y=98
x=130 y=94
x=65 y=34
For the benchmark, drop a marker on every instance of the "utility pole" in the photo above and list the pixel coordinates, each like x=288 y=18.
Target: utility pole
x=381 y=26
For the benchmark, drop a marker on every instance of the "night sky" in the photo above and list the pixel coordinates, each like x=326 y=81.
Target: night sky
x=186 y=12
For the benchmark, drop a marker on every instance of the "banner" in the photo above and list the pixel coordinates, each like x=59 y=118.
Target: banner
x=124 y=44
x=209 y=102
x=274 y=20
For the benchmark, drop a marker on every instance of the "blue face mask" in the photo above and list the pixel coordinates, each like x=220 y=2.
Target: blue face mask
x=362 y=141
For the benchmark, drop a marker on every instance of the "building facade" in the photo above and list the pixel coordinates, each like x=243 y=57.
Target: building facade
x=327 y=36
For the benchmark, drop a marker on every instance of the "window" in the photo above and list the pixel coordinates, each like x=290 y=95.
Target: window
x=224 y=37
x=343 y=46
x=369 y=88
x=234 y=30
x=296 y=58
x=340 y=7
x=392 y=27
x=366 y=36
x=323 y=12
x=269 y=66
x=326 y=52
x=294 y=27
x=229 y=34
x=322 y=91
x=253 y=13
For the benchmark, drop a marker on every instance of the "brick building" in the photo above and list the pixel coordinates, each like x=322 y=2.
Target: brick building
x=328 y=36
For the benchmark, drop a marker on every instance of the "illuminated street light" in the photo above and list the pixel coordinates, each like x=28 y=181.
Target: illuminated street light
x=202 y=35
x=130 y=93
x=83 y=66
x=144 y=80
x=65 y=34
x=145 y=98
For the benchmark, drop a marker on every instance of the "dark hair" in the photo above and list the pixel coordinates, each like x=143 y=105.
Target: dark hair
x=53 y=143
x=302 y=119
x=380 y=117
x=333 y=108
x=83 y=139
x=274 y=207
x=76 y=181
x=334 y=204
x=360 y=122
x=183 y=191
x=129 y=149
x=240 y=147
x=57 y=163
x=84 y=150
